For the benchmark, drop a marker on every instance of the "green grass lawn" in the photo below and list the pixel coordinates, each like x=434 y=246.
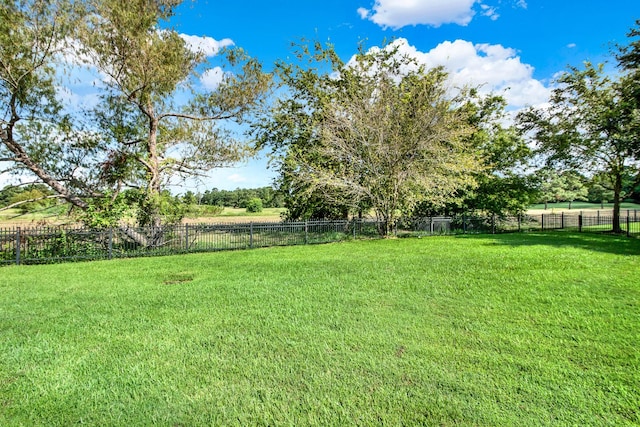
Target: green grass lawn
x=521 y=329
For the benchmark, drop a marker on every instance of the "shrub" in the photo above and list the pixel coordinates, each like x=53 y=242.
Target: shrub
x=254 y=205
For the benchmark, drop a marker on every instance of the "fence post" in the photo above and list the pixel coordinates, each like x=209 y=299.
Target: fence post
x=18 y=239
x=519 y=223
x=306 y=232
x=186 y=237
x=580 y=223
x=493 y=223
x=542 y=221
x=110 y=246
x=628 y=224
x=464 y=223
x=562 y=220
x=251 y=235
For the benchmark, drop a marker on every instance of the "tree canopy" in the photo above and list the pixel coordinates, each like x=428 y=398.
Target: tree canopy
x=591 y=125
x=381 y=131
x=155 y=121
x=148 y=70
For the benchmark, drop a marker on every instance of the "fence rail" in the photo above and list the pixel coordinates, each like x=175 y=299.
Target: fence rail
x=58 y=244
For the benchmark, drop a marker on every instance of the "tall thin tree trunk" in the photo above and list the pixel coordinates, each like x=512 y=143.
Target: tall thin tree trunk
x=617 y=194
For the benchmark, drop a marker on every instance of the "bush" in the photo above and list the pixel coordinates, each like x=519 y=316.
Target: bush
x=254 y=205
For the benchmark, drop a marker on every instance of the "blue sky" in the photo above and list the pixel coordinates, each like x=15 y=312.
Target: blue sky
x=547 y=34
x=512 y=46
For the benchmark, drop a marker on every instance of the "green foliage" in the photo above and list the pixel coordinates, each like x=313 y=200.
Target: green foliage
x=36 y=135
x=503 y=189
x=381 y=132
x=592 y=125
x=254 y=205
x=107 y=211
x=7 y=193
x=151 y=207
x=154 y=134
x=31 y=200
x=521 y=329
x=154 y=121
x=628 y=56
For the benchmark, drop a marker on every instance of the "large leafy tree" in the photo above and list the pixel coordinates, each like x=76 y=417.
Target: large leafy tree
x=503 y=186
x=380 y=131
x=290 y=131
x=140 y=136
x=154 y=136
x=590 y=126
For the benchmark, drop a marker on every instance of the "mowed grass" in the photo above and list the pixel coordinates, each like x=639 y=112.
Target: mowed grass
x=521 y=329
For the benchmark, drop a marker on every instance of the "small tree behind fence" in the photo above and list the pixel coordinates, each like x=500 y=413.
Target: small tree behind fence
x=58 y=244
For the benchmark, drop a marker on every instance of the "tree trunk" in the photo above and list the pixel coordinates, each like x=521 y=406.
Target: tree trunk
x=155 y=185
x=617 y=194
x=23 y=158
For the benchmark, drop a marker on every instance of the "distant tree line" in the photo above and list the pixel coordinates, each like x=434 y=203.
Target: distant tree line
x=238 y=198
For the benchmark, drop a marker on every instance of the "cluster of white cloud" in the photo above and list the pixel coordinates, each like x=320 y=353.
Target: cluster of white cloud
x=493 y=68
x=400 y=13
x=212 y=78
x=206 y=45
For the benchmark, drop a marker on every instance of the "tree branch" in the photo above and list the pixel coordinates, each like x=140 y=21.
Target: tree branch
x=197 y=118
x=37 y=199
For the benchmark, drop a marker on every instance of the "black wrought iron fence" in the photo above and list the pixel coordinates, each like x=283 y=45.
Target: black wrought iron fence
x=57 y=244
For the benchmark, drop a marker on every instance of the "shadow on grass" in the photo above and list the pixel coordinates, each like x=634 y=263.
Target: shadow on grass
x=607 y=243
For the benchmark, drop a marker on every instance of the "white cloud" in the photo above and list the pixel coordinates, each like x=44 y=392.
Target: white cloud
x=364 y=13
x=236 y=178
x=493 y=68
x=212 y=78
x=400 y=13
x=206 y=45
x=489 y=12
x=571 y=45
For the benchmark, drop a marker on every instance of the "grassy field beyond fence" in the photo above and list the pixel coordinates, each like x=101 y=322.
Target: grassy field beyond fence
x=515 y=329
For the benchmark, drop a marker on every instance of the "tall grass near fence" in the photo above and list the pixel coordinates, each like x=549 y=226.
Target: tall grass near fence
x=55 y=244
x=483 y=330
